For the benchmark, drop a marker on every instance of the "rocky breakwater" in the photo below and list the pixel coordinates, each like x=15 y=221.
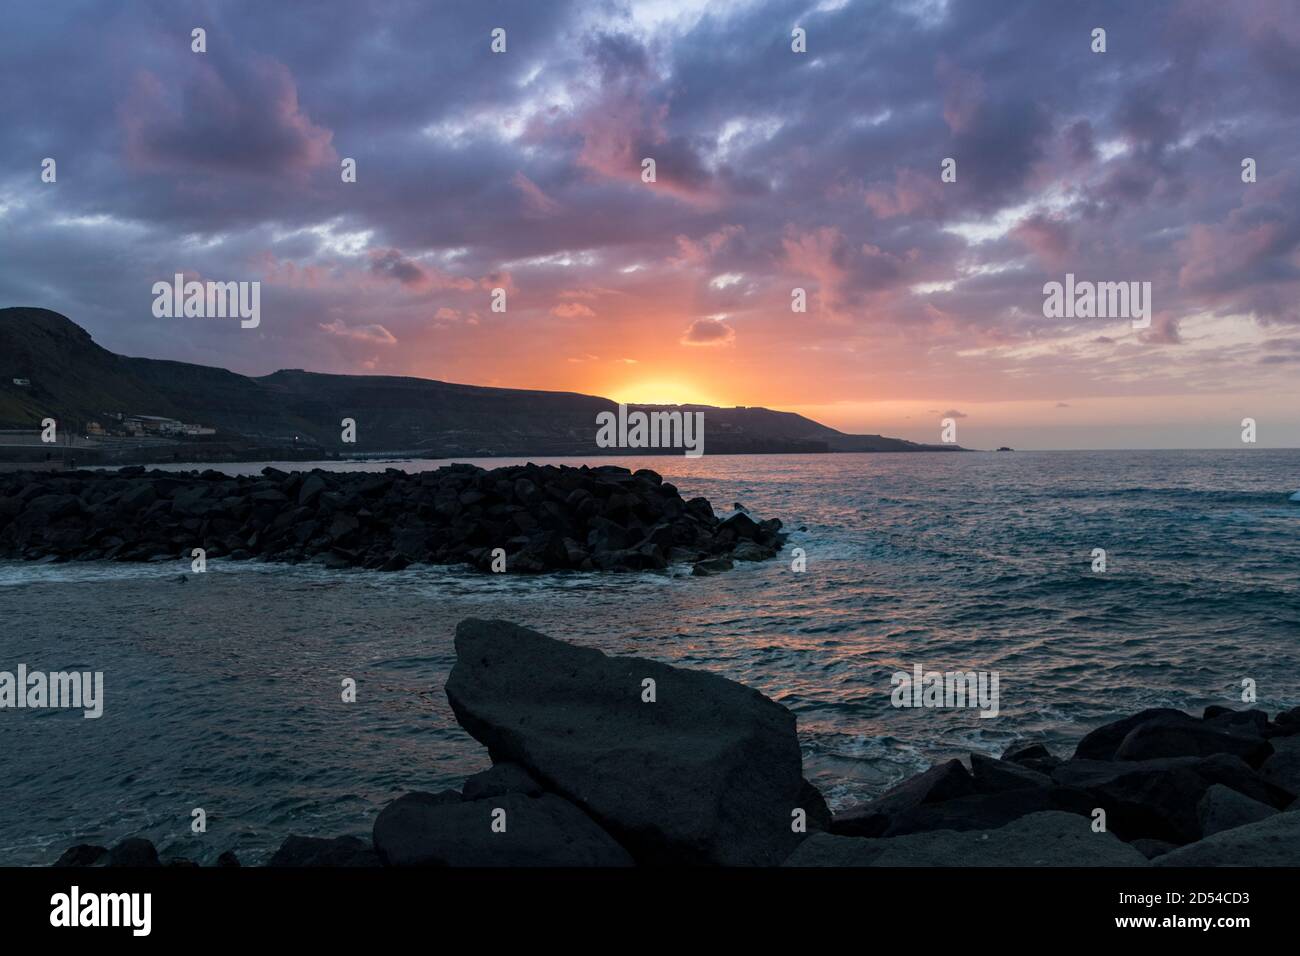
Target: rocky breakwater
x=525 y=520
x=621 y=761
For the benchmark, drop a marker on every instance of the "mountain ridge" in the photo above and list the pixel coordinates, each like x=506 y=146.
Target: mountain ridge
x=72 y=378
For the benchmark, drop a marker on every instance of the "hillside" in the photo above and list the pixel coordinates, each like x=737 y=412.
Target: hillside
x=72 y=379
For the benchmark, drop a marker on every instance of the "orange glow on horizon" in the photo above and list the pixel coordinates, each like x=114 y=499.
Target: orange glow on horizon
x=661 y=393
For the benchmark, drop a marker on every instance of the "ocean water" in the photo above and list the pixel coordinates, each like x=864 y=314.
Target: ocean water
x=223 y=692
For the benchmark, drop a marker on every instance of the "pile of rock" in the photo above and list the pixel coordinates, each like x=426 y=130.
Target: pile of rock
x=1175 y=789
x=619 y=761
x=597 y=761
x=604 y=761
x=543 y=518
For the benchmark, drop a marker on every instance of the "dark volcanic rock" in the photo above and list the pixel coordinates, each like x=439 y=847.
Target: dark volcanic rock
x=1253 y=720
x=984 y=811
x=814 y=805
x=421 y=830
x=228 y=858
x=133 y=851
x=83 y=854
x=944 y=781
x=1161 y=798
x=402 y=821
x=1152 y=848
x=545 y=517
x=1039 y=839
x=315 y=851
x=1101 y=744
x=996 y=776
x=710 y=772
x=1223 y=808
x=1287 y=722
x=1148 y=798
x=1179 y=735
x=138 y=496
x=1282 y=769
x=741 y=525
x=501 y=778
x=1271 y=842
x=712 y=566
x=1032 y=756
x=1236 y=774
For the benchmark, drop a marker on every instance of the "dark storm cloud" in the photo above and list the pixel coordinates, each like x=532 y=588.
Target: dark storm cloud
x=390 y=262
x=708 y=332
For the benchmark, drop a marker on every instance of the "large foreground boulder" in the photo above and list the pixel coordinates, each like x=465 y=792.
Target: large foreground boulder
x=509 y=829
x=710 y=772
x=1040 y=839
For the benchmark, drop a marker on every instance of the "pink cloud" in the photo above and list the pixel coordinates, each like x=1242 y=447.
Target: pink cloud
x=218 y=115
x=912 y=191
x=700 y=252
x=963 y=94
x=819 y=254
x=1164 y=331
x=572 y=310
x=1046 y=237
x=536 y=202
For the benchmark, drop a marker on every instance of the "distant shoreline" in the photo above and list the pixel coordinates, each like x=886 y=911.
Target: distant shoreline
x=88 y=458
x=318 y=458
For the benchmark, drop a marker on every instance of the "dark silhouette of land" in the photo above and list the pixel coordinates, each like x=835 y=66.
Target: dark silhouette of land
x=51 y=368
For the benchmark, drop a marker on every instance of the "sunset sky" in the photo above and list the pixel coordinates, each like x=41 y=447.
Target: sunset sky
x=775 y=170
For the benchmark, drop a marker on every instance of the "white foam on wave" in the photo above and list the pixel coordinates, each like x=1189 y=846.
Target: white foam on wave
x=1296 y=496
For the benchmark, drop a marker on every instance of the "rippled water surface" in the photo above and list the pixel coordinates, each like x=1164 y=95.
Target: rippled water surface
x=223 y=692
